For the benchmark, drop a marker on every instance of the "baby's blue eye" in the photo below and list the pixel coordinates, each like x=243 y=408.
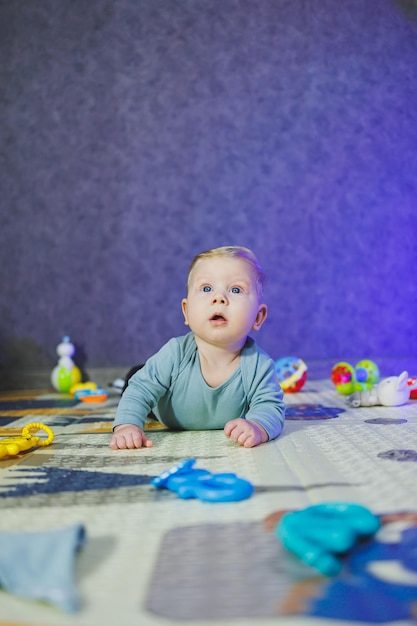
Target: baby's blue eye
x=206 y=288
x=235 y=290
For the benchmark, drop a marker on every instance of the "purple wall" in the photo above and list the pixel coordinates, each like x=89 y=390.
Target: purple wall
x=136 y=133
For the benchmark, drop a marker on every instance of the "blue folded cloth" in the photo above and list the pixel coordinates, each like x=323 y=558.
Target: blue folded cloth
x=40 y=565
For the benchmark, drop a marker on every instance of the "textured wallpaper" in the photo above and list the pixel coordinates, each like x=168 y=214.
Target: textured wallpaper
x=137 y=133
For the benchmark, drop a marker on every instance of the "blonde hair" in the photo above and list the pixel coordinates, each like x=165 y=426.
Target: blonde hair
x=232 y=252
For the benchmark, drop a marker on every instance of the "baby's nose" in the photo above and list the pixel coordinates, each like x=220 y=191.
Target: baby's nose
x=219 y=298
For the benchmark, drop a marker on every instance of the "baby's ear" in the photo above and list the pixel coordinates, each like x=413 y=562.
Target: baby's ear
x=260 y=317
x=184 y=310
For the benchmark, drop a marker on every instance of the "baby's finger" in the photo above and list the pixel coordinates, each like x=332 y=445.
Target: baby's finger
x=118 y=442
x=250 y=441
x=229 y=427
x=113 y=443
x=147 y=443
x=234 y=433
x=133 y=440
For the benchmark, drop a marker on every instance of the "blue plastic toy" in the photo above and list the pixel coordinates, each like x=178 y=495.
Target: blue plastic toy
x=321 y=534
x=91 y=395
x=202 y=484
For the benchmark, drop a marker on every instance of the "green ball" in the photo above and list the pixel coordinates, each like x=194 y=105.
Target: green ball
x=64 y=380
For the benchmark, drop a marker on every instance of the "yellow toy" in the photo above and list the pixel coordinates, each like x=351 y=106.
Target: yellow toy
x=13 y=445
x=88 y=386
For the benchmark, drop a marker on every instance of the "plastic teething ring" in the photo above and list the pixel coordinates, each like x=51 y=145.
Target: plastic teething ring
x=39 y=426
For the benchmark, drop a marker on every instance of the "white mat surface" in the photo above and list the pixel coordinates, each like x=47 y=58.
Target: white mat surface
x=153 y=559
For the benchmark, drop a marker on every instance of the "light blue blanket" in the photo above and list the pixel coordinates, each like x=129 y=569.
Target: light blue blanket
x=41 y=565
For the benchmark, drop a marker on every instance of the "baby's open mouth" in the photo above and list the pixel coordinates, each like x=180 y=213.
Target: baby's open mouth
x=217 y=317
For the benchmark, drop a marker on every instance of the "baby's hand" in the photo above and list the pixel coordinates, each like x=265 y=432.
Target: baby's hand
x=245 y=432
x=129 y=436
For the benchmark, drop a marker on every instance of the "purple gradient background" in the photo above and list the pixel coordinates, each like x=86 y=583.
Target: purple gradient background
x=137 y=133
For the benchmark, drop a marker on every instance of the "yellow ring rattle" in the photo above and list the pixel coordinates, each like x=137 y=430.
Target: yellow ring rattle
x=13 y=445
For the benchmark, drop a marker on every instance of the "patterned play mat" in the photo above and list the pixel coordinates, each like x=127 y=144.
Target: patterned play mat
x=145 y=557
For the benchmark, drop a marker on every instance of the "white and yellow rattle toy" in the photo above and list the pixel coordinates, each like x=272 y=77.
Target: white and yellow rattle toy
x=11 y=446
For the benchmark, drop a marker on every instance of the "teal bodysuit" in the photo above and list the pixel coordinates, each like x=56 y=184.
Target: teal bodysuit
x=171 y=386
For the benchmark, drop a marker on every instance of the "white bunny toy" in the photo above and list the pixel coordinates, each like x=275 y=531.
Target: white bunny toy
x=391 y=391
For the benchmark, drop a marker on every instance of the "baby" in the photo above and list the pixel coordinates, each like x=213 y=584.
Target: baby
x=214 y=377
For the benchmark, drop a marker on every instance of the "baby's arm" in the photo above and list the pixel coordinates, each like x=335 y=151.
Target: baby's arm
x=129 y=436
x=266 y=400
x=146 y=387
x=247 y=433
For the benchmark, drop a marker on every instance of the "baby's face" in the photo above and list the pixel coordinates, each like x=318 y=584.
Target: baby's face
x=222 y=306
